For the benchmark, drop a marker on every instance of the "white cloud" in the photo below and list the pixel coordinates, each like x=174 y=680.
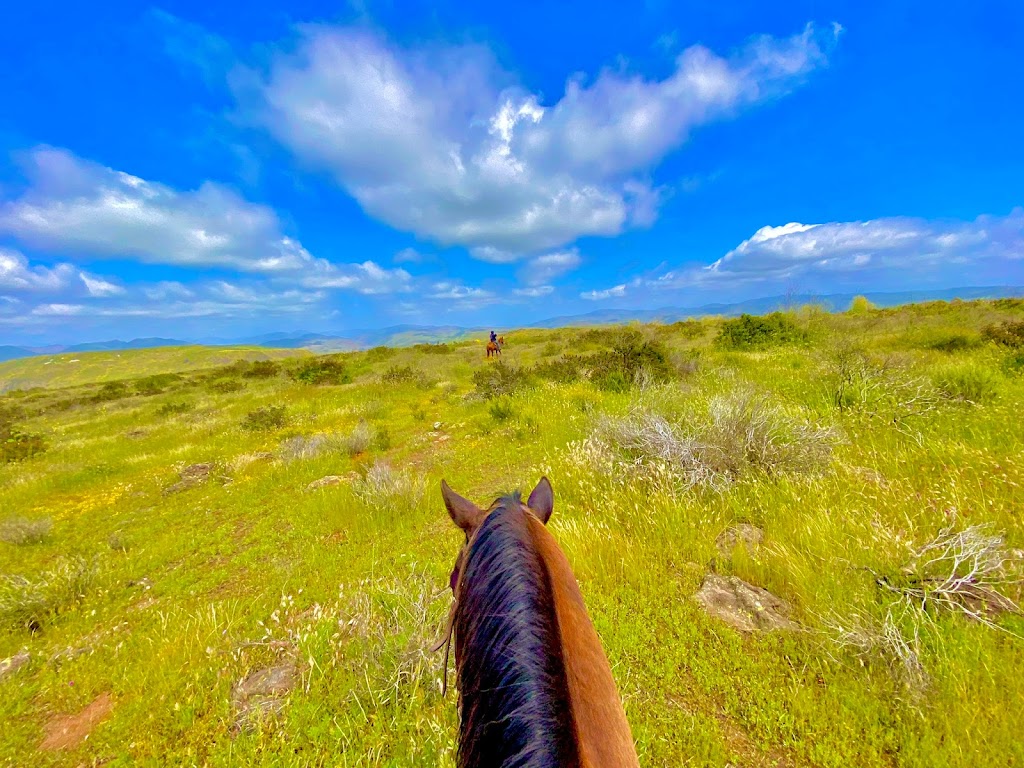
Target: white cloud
x=439 y=142
x=17 y=274
x=58 y=310
x=535 y=292
x=609 y=293
x=76 y=206
x=367 y=278
x=544 y=269
x=893 y=253
x=451 y=291
x=98 y=287
x=408 y=256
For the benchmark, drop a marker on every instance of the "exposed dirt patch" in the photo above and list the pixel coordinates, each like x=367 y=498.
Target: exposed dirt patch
x=191 y=476
x=68 y=731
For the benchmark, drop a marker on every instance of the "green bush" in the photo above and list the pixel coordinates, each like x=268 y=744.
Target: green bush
x=1009 y=333
x=262 y=369
x=174 y=409
x=112 y=390
x=157 y=384
x=434 y=349
x=377 y=354
x=953 y=342
x=631 y=354
x=399 y=374
x=968 y=383
x=17 y=445
x=1013 y=364
x=225 y=385
x=566 y=369
x=265 y=419
x=688 y=329
x=501 y=409
x=30 y=604
x=861 y=305
x=499 y=378
x=322 y=371
x=748 y=331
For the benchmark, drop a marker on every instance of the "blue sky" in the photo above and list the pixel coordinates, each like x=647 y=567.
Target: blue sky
x=224 y=169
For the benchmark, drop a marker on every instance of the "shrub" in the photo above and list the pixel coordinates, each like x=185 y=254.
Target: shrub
x=688 y=329
x=1013 y=363
x=322 y=370
x=381 y=439
x=31 y=603
x=358 y=440
x=224 y=386
x=748 y=331
x=631 y=355
x=377 y=354
x=262 y=369
x=434 y=349
x=17 y=445
x=498 y=379
x=501 y=409
x=21 y=530
x=155 y=385
x=953 y=342
x=861 y=305
x=111 y=390
x=385 y=489
x=266 y=418
x=173 y=409
x=398 y=374
x=566 y=369
x=1008 y=333
x=968 y=383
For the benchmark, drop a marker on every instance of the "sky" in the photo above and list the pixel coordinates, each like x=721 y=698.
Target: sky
x=194 y=170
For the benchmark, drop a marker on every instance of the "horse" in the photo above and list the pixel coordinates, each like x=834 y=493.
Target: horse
x=501 y=341
x=535 y=686
x=493 y=349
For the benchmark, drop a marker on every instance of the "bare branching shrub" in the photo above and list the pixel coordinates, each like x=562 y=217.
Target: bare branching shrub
x=304 y=446
x=384 y=488
x=740 y=433
x=30 y=603
x=21 y=530
x=967 y=571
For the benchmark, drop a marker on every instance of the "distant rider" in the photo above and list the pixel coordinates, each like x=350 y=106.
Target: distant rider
x=494 y=337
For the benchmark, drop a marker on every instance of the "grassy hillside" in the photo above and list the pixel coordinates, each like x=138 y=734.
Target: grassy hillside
x=160 y=542
x=71 y=369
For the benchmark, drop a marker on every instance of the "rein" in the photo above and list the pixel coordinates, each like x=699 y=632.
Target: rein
x=446 y=643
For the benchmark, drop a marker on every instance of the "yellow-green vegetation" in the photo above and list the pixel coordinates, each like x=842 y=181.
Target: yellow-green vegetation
x=68 y=369
x=167 y=535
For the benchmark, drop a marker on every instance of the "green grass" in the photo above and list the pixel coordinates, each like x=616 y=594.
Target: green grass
x=849 y=449
x=67 y=370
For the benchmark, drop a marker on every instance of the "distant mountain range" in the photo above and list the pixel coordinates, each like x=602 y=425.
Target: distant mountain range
x=406 y=335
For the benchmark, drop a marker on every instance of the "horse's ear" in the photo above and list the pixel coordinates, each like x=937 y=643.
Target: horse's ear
x=542 y=500
x=464 y=513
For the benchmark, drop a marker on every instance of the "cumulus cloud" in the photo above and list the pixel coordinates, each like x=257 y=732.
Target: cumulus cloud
x=545 y=268
x=608 y=293
x=440 y=142
x=76 y=206
x=906 y=252
x=16 y=274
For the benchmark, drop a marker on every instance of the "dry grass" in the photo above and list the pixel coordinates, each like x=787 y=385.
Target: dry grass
x=21 y=530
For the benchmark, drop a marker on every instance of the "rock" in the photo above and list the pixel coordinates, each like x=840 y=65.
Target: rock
x=437 y=425
x=750 y=536
x=262 y=693
x=71 y=730
x=12 y=664
x=323 y=482
x=743 y=606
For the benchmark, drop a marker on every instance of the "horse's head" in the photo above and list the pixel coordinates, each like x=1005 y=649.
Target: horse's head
x=468 y=516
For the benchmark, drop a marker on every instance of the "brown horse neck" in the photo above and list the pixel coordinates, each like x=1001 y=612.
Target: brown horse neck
x=599 y=721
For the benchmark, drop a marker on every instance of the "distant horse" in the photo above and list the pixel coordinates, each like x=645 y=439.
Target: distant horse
x=535 y=686
x=493 y=349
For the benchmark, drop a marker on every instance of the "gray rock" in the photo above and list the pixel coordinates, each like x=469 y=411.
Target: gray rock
x=743 y=606
x=324 y=482
x=262 y=693
x=13 y=663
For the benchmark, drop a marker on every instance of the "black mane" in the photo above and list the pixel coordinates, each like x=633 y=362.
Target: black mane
x=512 y=690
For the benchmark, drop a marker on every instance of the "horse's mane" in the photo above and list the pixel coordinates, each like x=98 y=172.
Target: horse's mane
x=512 y=686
